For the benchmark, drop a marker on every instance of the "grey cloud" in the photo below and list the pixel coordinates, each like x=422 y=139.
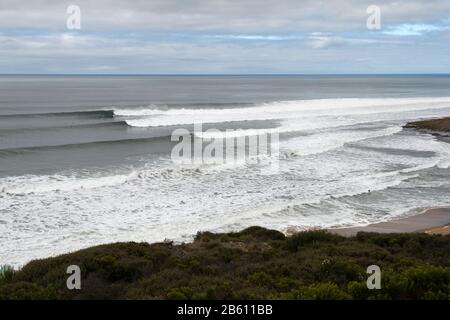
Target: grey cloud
x=78 y=53
x=236 y=16
x=226 y=36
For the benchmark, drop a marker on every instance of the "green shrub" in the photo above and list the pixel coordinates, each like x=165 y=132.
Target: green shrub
x=27 y=291
x=301 y=239
x=261 y=278
x=6 y=274
x=252 y=264
x=260 y=234
x=417 y=283
x=320 y=291
x=182 y=293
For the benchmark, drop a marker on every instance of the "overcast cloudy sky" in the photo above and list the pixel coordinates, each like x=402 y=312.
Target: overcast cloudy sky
x=225 y=36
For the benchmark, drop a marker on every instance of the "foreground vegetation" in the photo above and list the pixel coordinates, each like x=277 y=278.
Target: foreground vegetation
x=253 y=264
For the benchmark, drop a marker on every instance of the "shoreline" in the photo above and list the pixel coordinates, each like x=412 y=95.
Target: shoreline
x=430 y=221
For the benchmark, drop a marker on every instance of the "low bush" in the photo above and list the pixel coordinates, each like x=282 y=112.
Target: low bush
x=255 y=263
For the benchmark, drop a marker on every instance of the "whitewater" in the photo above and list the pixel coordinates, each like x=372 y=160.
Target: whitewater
x=70 y=180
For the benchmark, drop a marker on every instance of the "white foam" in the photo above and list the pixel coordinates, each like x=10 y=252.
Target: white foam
x=153 y=117
x=28 y=184
x=236 y=133
x=444 y=164
x=148 y=111
x=326 y=141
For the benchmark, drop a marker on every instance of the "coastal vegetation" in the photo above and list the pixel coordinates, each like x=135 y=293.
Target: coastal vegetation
x=255 y=263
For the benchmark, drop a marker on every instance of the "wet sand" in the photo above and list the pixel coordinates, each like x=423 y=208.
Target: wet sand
x=432 y=221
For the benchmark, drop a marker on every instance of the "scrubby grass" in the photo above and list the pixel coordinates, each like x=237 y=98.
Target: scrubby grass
x=253 y=264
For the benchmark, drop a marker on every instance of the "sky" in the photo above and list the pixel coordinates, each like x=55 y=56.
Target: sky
x=224 y=37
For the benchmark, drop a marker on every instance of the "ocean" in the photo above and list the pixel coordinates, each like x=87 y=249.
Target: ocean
x=86 y=160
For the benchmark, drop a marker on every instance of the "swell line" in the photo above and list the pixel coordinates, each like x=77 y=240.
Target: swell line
x=9 y=151
x=90 y=113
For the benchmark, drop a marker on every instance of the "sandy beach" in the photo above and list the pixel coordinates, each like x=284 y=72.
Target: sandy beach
x=439 y=230
x=432 y=221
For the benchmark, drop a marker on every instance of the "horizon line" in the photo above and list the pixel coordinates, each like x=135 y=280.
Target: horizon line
x=225 y=74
